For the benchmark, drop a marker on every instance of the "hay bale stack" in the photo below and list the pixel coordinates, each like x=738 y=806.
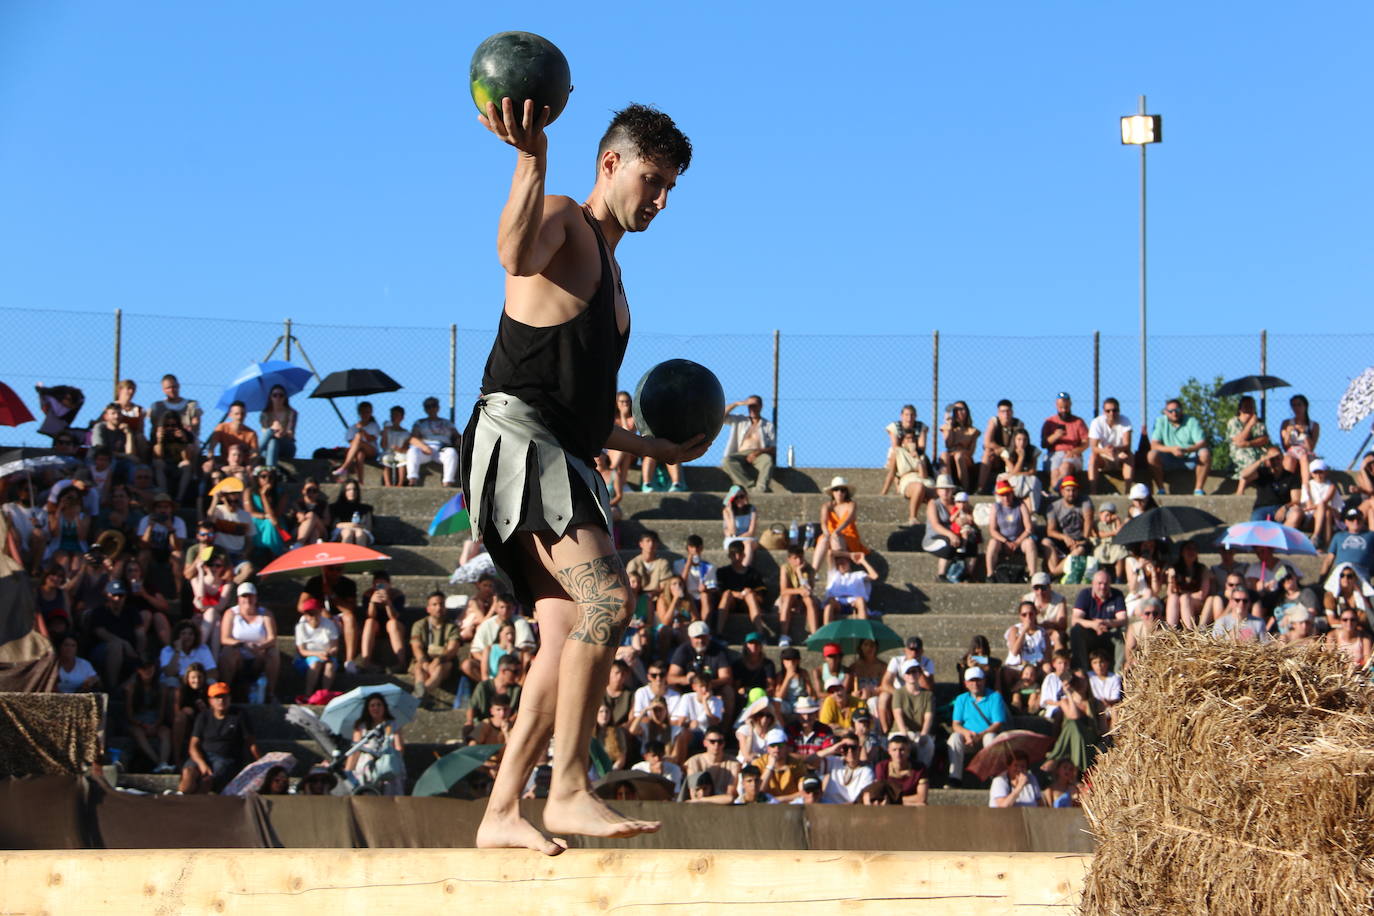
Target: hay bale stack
x=1241 y=781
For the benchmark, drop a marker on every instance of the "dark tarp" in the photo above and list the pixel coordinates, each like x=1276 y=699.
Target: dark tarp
x=305 y=821
x=45 y=812
x=179 y=821
x=48 y=733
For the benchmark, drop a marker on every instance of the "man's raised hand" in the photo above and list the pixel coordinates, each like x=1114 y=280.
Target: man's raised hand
x=525 y=133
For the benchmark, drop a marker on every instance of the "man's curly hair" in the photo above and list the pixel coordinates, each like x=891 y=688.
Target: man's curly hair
x=651 y=134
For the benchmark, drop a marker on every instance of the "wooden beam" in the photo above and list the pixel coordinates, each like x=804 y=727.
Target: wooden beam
x=367 y=882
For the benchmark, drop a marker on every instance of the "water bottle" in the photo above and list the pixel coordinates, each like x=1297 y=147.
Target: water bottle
x=791 y=457
x=792 y=534
x=259 y=692
x=464 y=693
x=357 y=518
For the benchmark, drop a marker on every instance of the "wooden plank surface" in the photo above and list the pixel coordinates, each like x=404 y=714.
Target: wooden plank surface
x=382 y=882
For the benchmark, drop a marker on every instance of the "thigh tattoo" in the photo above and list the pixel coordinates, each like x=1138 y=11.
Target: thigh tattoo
x=599 y=589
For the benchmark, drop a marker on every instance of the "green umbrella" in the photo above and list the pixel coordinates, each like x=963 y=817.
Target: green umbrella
x=445 y=772
x=848 y=633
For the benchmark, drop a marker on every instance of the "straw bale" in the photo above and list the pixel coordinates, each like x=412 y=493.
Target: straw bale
x=1241 y=781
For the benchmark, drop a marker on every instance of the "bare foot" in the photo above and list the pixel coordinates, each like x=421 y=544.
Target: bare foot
x=583 y=813
x=514 y=832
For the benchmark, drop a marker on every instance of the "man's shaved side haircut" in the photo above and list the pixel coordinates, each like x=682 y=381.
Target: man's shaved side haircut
x=649 y=134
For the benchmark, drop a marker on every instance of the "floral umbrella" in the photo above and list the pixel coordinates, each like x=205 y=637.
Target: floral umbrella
x=1357 y=402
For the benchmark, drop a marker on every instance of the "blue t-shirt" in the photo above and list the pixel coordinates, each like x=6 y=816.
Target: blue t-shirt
x=1355 y=549
x=976 y=714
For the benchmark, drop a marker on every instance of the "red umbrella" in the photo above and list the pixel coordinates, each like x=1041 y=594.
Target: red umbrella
x=305 y=560
x=12 y=410
x=996 y=757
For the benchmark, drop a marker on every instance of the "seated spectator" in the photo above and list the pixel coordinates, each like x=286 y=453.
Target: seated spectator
x=190 y=700
x=1146 y=562
x=615 y=739
x=505 y=609
x=839 y=707
x=699 y=576
x=1353 y=545
x=310 y=514
x=653 y=571
x=317 y=648
x=1301 y=628
x=352 y=517
x=1248 y=438
x=233 y=530
x=741 y=522
x=176 y=658
x=695 y=713
x=248 y=642
x=143 y=712
x=1069 y=529
x=221 y=745
x=847 y=589
x=904 y=776
x=618 y=463
x=233 y=431
x=1351 y=639
x=1017 y=787
x=1177 y=442
x=1292 y=597
x=495 y=729
x=363 y=438
x=780 y=771
x=960 y=438
x=144 y=598
x=997 y=438
x=379 y=764
x=1110 y=555
x=174 y=456
x=1064 y=436
x=913 y=713
x=908 y=467
x=1346 y=590
x=1189 y=585
x=755 y=723
x=1064 y=791
x=979 y=714
x=278 y=422
x=1298 y=437
x=700 y=656
x=506 y=683
x=110 y=434
x=832 y=666
x=395 y=444
x=74 y=674
x=1078 y=737
x=1054 y=685
x=844 y=777
x=796 y=586
x=866 y=672
x=656 y=688
x=29 y=524
x=904 y=424
x=382 y=606
x=792 y=682
x=52 y=601
x=1028 y=647
x=212 y=585
x=1321 y=502
x=750 y=791
x=1010 y=531
x=713 y=765
x=1146 y=624
x=808 y=733
x=1106 y=690
x=433 y=438
x=751 y=446
x=122 y=635
x=69 y=531
x=740 y=585
x=619 y=697
x=656 y=762
x=1110 y=449
x=839 y=523
x=131 y=416
x=162 y=537
x=655 y=725
x=1241 y=620
x=752 y=670
x=1099 y=621
x=1265 y=575
x=1050 y=605
x=1022 y=463
x=187 y=412
x=1276 y=489
x=940 y=539
x=265 y=504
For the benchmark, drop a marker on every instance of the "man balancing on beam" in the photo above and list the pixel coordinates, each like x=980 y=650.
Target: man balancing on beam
x=547 y=409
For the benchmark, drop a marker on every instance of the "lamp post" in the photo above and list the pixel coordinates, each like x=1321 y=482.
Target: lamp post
x=1141 y=129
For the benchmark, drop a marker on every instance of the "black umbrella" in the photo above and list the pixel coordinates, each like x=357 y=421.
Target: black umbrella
x=355 y=383
x=1250 y=383
x=1164 y=522
x=643 y=786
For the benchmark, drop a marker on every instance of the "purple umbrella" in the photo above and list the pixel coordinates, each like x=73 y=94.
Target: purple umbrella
x=1277 y=537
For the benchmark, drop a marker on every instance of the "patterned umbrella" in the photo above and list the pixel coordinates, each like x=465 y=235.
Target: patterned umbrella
x=1269 y=534
x=1357 y=402
x=996 y=757
x=250 y=777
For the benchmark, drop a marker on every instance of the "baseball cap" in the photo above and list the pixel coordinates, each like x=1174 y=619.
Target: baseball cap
x=973 y=673
x=831 y=681
x=806 y=704
x=218 y=689
x=1352 y=512
x=1139 y=491
x=961 y=497
x=115 y=587
x=831 y=649
x=753 y=637
x=915 y=643
x=1318 y=465
x=811 y=784
x=1068 y=481
x=1040 y=578
x=1107 y=507
x=247 y=588
x=1064 y=395
x=309 y=603
x=912 y=665
x=698 y=628
x=790 y=652
x=1003 y=488
x=775 y=736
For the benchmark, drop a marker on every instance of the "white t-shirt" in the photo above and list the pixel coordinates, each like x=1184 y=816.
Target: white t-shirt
x=1116 y=434
x=670 y=770
x=1316 y=491
x=160 y=531
x=1270 y=572
x=1029 y=796
x=486 y=634
x=689 y=708
x=895 y=667
x=200 y=654
x=317 y=639
x=1032 y=647
x=845 y=785
x=699 y=575
x=853 y=584
x=71 y=681
x=644 y=696
x=1051 y=692
x=1107 y=689
x=232 y=542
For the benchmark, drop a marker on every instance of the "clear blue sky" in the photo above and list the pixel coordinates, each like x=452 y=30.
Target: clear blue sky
x=859 y=167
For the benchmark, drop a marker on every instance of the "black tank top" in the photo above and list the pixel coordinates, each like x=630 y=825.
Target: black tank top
x=568 y=371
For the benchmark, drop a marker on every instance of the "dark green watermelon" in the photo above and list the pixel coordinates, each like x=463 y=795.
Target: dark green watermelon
x=679 y=399
x=520 y=66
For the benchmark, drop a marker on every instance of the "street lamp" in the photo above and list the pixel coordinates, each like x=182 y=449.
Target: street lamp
x=1141 y=130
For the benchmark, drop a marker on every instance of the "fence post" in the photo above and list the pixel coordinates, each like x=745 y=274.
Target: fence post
x=1264 y=370
x=777 y=353
x=452 y=371
x=287 y=338
x=935 y=383
x=118 y=344
x=1097 y=370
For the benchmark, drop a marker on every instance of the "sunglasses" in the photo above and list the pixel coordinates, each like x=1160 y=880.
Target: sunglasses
x=1149 y=613
x=1347 y=575
x=714 y=741
x=655 y=674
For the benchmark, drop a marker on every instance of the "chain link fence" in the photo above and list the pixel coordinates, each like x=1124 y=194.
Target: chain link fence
x=832 y=394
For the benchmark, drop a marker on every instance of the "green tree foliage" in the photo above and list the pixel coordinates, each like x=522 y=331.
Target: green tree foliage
x=1213 y=413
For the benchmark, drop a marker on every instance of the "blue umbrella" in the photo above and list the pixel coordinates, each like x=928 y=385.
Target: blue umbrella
x=256 y=382
x=1268 y=534
x=343 y=711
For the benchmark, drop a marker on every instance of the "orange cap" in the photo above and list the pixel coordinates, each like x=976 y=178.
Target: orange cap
x=219 y=689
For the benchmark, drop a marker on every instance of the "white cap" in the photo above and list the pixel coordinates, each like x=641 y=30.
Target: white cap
x=454 y=602
x=973 y=673
x=1041 y=578
x=833 y=681
x=698 y=628
x=1140 y=491
x=961 y=497
x=247 y=588
x=775 y=736
x=911 y=665
x=1318 y=465
x=944 y=482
